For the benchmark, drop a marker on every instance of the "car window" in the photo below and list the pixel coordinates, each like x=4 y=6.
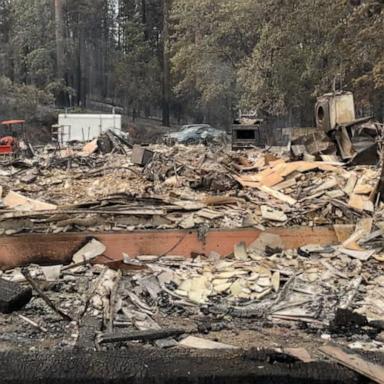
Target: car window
x=202 y=130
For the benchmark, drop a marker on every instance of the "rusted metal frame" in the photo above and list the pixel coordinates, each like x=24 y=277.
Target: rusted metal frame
x=58 y=248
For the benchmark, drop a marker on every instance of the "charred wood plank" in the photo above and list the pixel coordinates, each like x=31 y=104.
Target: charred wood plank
x=13 y=296
x=149 y=335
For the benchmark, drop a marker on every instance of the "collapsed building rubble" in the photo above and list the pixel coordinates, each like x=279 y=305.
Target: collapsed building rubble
x=180 y=187
x=339 y=134
x=313 y=294
x=321 y=293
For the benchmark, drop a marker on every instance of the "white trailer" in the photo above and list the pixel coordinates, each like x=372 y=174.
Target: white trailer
x=84 y=127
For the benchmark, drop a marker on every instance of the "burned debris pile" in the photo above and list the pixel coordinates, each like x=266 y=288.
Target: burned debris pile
x=327 y=292
x=317 y=292
x=84 y=189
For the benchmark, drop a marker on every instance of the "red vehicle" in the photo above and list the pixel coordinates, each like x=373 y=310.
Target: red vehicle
x=11 y=131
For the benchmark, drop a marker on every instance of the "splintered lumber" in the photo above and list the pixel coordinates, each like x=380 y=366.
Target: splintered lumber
x=363 y=189
x=286 y=169
x=13 y=296
x=360 y=255
x=150 y=335
x=277 y=195
x=112 y=301
x=356 y=363
x=33 y=323
x=272 y=180
x=351 y=183
x=343 y=231
x=300 y=353
x=363 y=229
x=285 y=184
x=272 y=214
x=90 y=148
x=361 y=203
x=275 y=175
x=34 y=285
x=22 y=203
x=199 y=343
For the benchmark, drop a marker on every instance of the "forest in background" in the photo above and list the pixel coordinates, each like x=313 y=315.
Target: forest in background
x=195 y=61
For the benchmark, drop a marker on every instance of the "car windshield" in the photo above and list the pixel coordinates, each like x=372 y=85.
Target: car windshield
x=185 y=127
x=194 y=127
x=193 y=130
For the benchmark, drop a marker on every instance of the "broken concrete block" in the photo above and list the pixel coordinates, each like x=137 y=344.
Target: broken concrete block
x=13 y=296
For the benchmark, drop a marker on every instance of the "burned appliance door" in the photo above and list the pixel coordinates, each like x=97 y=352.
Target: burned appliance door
x=323 y=115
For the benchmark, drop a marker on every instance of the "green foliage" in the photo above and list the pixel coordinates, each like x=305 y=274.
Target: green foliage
x=211 y=38
x=136 y=68
x=281 y=53
x=31 y=38
x=58 y=87
x=273 y=56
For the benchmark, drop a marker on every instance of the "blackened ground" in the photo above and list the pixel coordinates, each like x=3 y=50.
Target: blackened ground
x=142 y=365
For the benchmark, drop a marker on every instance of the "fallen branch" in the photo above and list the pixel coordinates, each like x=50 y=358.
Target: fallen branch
x=112 y=301
x=33 y=323
x=33 y=284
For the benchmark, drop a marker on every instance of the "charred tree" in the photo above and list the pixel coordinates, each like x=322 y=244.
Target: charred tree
x=59 y=28
x=166 y=71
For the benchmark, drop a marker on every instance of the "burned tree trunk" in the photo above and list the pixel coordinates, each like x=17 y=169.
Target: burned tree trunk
x=166 y=72
x=59 y=28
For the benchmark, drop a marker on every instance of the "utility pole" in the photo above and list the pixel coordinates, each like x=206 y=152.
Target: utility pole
x=166 y=67
x=59 y=29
